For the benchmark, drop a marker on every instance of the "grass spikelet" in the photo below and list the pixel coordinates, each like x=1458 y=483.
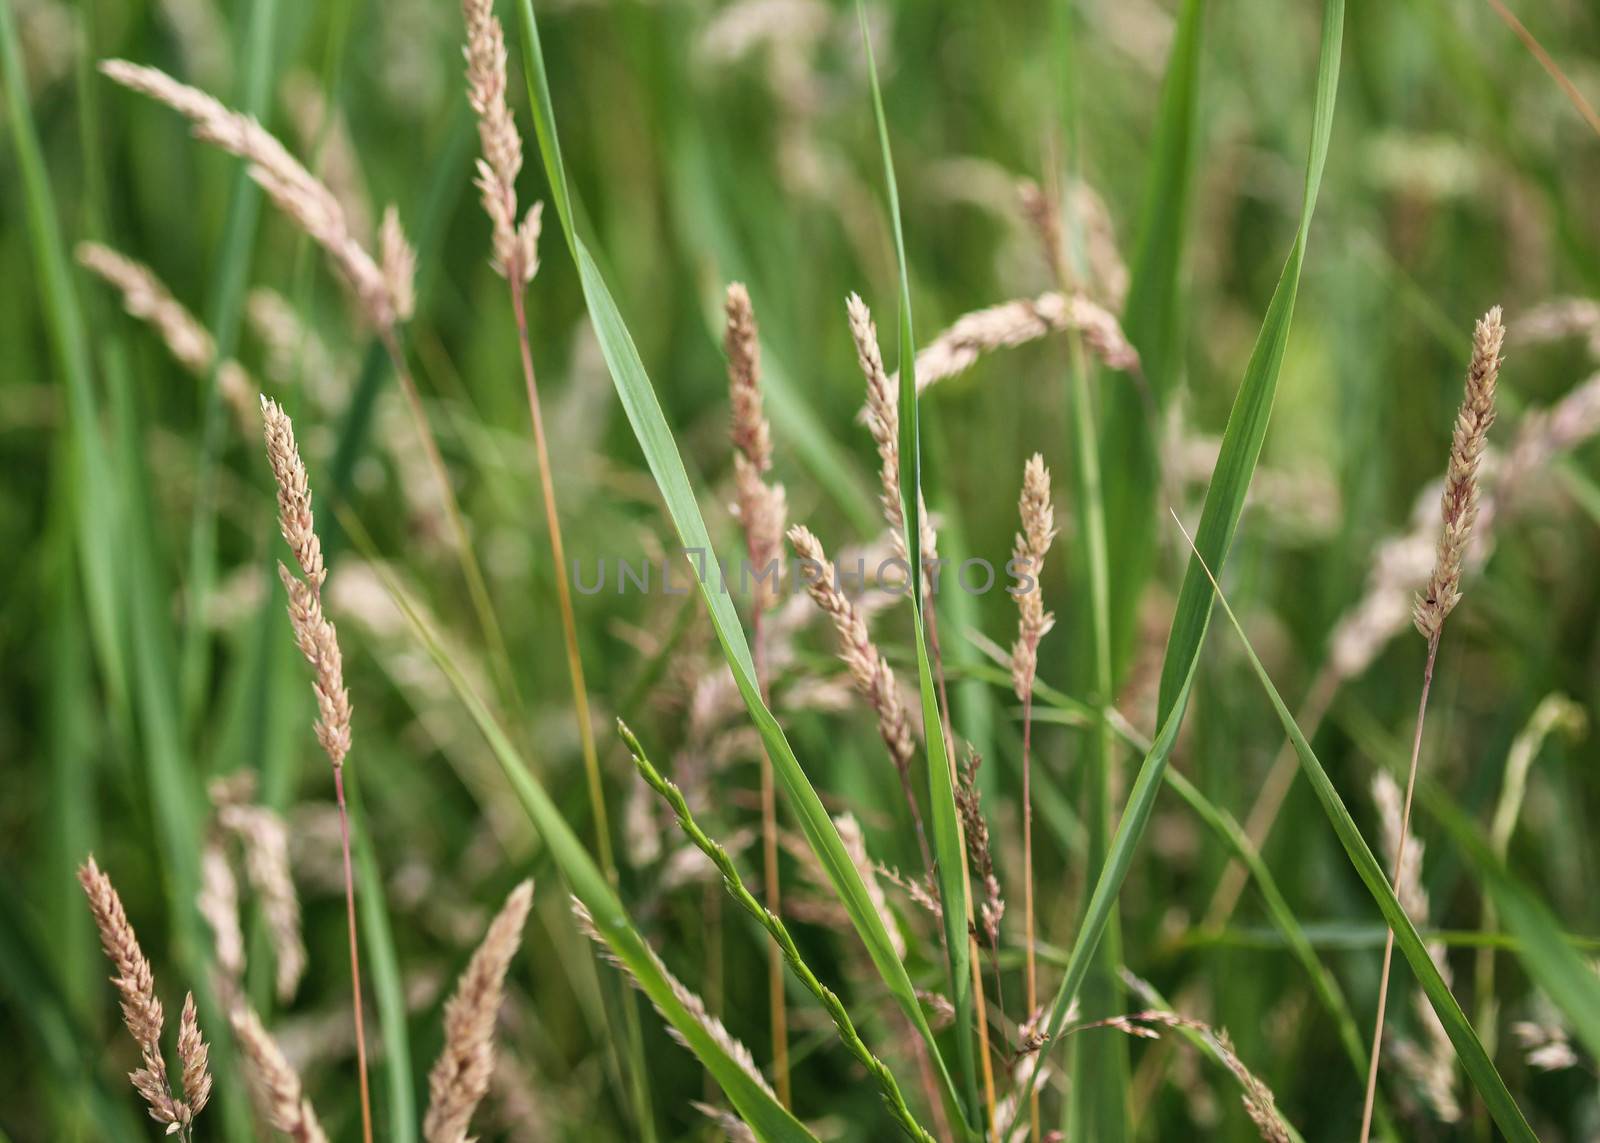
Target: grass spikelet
x=869 y=670
x=193 y=1056
x=147 y=298
x=460 y=1077
x=141 y=1008
x=1459 y=505
x=883 y=421
x=1037 y=516
x=318 y=641
x=976 y=830
x=691 y=1002
x=1431 y=1064
x=382 y=290
x=1018 y=322
x=279 y=1094
x=263 y=837
x=515 y=243
x=763 y=512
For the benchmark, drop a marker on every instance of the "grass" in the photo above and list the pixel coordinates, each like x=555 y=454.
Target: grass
x=1417 y=163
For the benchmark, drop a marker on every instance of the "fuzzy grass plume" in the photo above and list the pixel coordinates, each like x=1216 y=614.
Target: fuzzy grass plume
x=280 y=1096
x=763 y=511
x=143 y=1015
x=460 y=1077
x=382 y=285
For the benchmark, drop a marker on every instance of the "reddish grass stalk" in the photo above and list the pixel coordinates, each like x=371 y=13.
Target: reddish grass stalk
x=355 y=955
x=1399 y=864
x=569 y=627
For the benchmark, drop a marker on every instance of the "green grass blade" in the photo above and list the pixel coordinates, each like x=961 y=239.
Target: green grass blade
x=1327 y=989
x=649 y=425
x=388 y=988
x=1544 y=949
x=94 y=492
x=1152 y=320
x=1241 y=447
x=949 y=846
x=1479 y=1067
x=223 y=318
x=758 y=1107
x=1252 y=407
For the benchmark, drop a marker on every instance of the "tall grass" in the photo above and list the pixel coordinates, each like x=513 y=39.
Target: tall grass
x=919 y=948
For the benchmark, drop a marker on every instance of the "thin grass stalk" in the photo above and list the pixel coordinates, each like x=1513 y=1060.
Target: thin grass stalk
x=1399 y=864
x=569 y=626
x=1036 y=518
x=1100 y=813
x=762 y=512
x=1459 y=509
x=779 y=932
x=319 y=643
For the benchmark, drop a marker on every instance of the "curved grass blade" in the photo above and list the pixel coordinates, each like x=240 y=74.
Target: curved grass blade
x=1479 y=1067
x=1545 y=950
x=223 y=317
x=1152 y=320
x=779 y=933
x=949 y=845
x=755 y=1104
x=639 y=402
x=1299 y=944
x=1241 y=447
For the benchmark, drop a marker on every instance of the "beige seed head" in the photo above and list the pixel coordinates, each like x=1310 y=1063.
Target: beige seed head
x=762 y=507
x=869 y=670
x=883 y=421
x=264 y=837
x=147 y=298
x=1459 y=504
x=313 y=631
x=1018 y=322
x=1027 y=557
x=279 y=1093
x=135 y=981
x=515 y=245
x=382 y=291
x=460 y=1077
x=193 y=1055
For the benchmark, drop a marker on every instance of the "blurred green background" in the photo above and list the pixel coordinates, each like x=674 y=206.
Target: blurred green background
x=713 y=142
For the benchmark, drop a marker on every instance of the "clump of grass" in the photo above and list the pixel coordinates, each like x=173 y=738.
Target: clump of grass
x=1459 y=509
x=779 y=933
x=143 y=1015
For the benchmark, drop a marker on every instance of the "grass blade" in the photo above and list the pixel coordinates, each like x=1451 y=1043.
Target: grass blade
x=1152 y=320
x=666 y=466
x=1479 y=1067
x=1241 y=447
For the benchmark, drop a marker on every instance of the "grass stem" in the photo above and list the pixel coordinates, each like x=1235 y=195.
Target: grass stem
x=1394 y=881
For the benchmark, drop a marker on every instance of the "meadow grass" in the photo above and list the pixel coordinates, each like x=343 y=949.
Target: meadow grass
x=885 y=875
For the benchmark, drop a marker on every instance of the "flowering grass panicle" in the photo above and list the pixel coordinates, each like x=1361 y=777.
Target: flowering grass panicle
x=460 y=1077
x=1459 y=504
